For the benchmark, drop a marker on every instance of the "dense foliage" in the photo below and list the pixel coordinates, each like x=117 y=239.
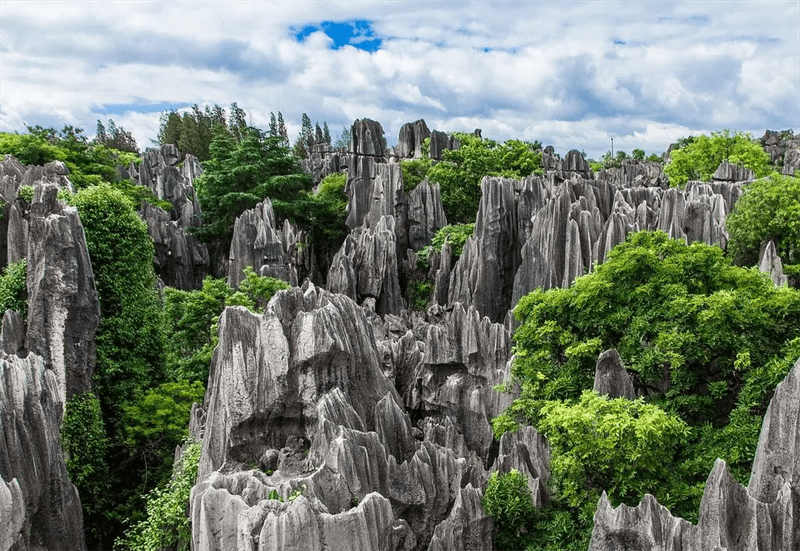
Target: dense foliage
x=167 y=523
x=13 y=289
x=697 y=158
x=768 y=210
x=89 y=163
x=240 y=174
x=509 y=502
x=460 y=172
x=704 y=340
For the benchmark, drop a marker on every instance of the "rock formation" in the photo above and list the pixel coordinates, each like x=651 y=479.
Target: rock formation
x=770 y=263
x=258 y=244
x=181 y=261
x=409 y=142
x=63 y=308
x=301 y=392
x=765 y=515
x=39 y=506
x=611 y=378
x=727 y=172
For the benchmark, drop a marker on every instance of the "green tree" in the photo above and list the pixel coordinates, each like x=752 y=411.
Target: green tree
x=509 y=502
x=241 y=174
x=638 y=154
x=460 y=172
x=694 y=331
x=769 y=209
x=697 y=158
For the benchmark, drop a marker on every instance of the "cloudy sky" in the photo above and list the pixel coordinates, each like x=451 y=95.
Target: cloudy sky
x=570 y=74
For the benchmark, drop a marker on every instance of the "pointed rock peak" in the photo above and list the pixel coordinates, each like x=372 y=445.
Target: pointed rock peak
x=771 y=264
x=611 y=378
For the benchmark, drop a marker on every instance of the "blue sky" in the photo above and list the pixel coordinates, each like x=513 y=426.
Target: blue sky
x=570 y=74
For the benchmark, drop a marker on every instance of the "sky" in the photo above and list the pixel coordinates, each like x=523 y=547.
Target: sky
x=574 y=75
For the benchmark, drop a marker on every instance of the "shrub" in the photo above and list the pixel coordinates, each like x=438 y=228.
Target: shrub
x=13 y=288
x=509 y=502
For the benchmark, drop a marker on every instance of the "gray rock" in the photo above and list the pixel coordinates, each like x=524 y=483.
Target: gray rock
x=365 y=267
x=791 y=161
x=63 y=308
x=180 y=261
x=771 y=264
x=425 y=215
x=526 y=452
x=611 y=377
x=159 y=173
x=257 y=243
x=728 y=172
x=441 y=142
x=12 y=333
x=762 y=516
x=467 y=527
x=409 y=142
x=367 y=138
x=40 y=506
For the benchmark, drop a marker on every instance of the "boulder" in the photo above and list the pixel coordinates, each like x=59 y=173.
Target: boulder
x=728 y=172
x=611 y=378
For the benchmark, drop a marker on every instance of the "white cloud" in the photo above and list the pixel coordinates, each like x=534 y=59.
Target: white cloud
x=571 y=74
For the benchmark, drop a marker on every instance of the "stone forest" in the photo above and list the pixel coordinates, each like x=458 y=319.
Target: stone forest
x=229 y=342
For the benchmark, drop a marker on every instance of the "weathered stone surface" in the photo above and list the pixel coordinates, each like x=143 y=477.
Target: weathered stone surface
x=764 y=516
x=257 y=243
x=791 y=161
x=12 y=333
x=488 y=264
x=323 y=160
x=526 y=451
x=409 y=141
x=728 y=172
x=297 y=389
x=467 y=527
x=425 y=215
x=771 y=264
x=367 y=138
x=63 y=308
x=365 y=267
x=181 y=261
x=611 y=377
x=40 y=506
x=440 y=142
x=159 y=173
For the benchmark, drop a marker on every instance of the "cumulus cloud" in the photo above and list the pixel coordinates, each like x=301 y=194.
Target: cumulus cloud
x=569 y=74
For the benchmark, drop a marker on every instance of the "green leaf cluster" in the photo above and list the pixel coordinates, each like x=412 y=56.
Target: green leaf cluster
x=509 y=502
x=699 y=157
x=88 y=163
x=769 y=209
x=460 y=172
x=240 y=174
x=167 y=524
x=13 y=288
x=704 y=340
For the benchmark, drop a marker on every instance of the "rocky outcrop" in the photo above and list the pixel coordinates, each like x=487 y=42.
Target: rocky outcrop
x=160 y=173
x=180 y=261
x=526 y=452
x=367 y=138
x=425 y=215
x=728 y=172
x=770 y=263
x=63 y=308
x=409 y=141
x=440 y=142
x=39 y=506
x=301 y=392
x=765 y=515
x=258 y=244
x=323 y=160
x=365 y=268
x=611 y=377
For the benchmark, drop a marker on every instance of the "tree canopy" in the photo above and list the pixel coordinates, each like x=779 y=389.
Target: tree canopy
x=769 y=209
x=697 y=158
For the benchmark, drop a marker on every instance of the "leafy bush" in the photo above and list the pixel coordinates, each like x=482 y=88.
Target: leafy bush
x=699 y=157
x=769 y=209
x=25 y=193
x=509 y=502
x=255 y=291
x=13 y=288
x=84 y=441
x=617 y=445
x=460 y=172
x=414 y=171
x=167 y=525
x=704 y=340
x=420 y=294
x=454 y=234
x=327 y=210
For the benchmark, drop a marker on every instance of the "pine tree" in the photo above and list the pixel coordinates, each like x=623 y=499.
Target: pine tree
x=273 y=125
x=237 y=122
x=318 y=138
x=326 y=134
x=282 y=132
